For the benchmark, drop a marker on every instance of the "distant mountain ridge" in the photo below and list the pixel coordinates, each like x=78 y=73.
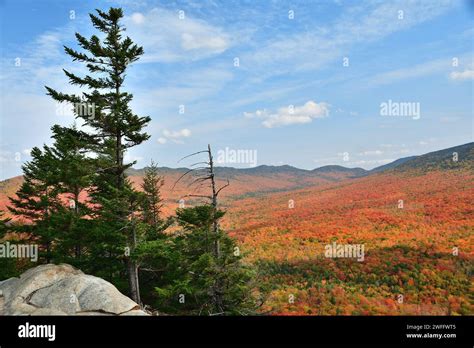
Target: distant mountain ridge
x=260 y=170
x=441 y=159
x=391 y=165
x=266 y=179
x=461 y=156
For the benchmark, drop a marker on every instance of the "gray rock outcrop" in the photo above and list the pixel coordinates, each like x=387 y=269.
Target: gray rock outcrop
x=62 y=290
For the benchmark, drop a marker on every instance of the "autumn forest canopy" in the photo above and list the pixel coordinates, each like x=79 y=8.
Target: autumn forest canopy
x=207 y=239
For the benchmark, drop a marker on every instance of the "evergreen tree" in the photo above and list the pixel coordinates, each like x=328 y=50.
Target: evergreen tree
x=48 y=200
x=8 y=266
x=75 y=169
x=3 y=224
x=152 y=203
x=200 y=282
x=209 y=276
x=154 y=251
x=11 y=233
x=115 y=129
x=37 y=199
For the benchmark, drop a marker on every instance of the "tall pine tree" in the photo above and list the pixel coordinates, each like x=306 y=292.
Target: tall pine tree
x=210 y=277
x=37 y=200
x=152 y=203
x=48 y=200
x=75 y=171
x=115 y=129
x=153 y=251
x=8 y=266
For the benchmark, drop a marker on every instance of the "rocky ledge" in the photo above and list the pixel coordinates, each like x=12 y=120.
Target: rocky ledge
x=62 y=290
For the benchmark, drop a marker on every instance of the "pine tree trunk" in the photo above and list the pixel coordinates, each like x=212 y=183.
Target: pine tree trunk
x=133 y=272
x=217 y=287
x=133 y=281
x=131 y=265
x=215 y=226
x=78 y=249
x=48 y=252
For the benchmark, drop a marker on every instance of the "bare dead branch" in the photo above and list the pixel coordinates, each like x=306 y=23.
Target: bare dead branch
x=202 y=196
x=200 y=179
x=182 y=176
x=203 y=162
x=197 y=187
x=223 y=187
x=192 y=155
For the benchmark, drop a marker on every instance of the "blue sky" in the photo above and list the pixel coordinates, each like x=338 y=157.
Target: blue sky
x=307 y=91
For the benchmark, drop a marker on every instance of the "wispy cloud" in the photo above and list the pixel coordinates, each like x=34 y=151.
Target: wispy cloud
x=370 y=162
x=171 y=36
x=27 y=69
x=424 y=69
x=189 y=66
x=371 y=153
x=291 y=114
x=462 y=75
x=367 y=22
x=188 y=87
x=438 y=66
x=174 y=136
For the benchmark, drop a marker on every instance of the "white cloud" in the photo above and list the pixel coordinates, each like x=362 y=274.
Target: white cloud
x=174 y=136
x=187 y=87
x=5 y=156
x=177 y=134
x=195 y=42
x=257 y=114
x=360 y=24
x=449 y=119
x=40 y=62
x=285 y=116
x=463 y=75
x=424 y=69
x=10 y=163
x=372 y=162
x=162 y=140
x=137 y=18
x=371 y=153
x=128 y=158
x=167 y=38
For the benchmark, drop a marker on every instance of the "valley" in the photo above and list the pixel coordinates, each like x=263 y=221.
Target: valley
x=414 y=219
